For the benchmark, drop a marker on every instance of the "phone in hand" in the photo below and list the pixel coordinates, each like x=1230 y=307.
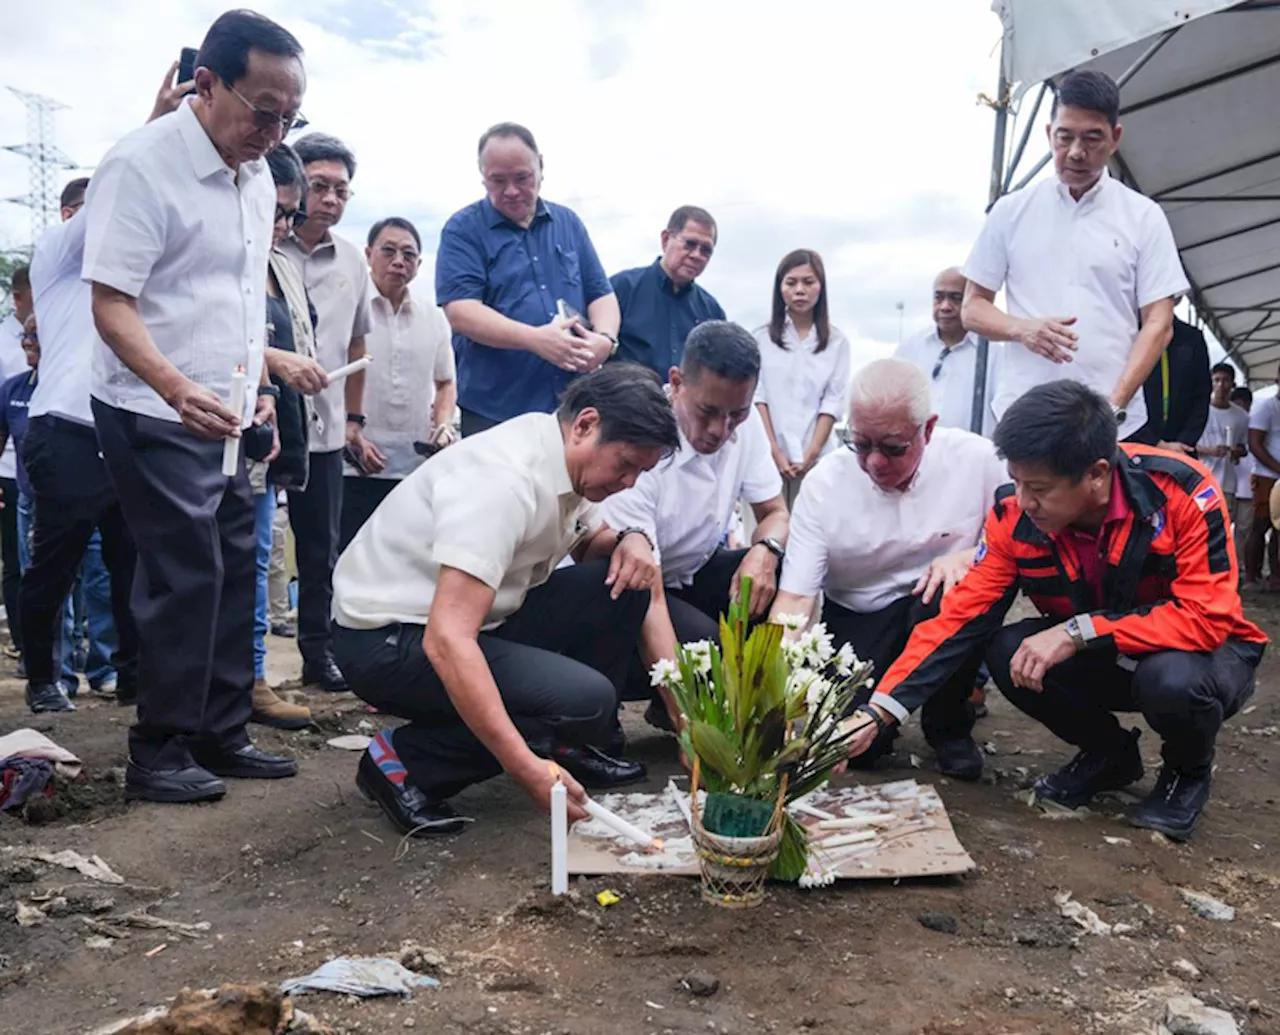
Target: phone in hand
x=187 y=66
x=355 y=458
x=567 y=312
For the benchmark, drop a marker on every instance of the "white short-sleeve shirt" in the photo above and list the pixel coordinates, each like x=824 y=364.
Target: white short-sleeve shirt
x=1265 y=417
x=498 y=506
x=64 y=315
x=952 y=388
x=12 y=361
x=865 y=547
x=686 y=502
x=412 y=350
x=336 y=274
x=172 y=225
x=1226 y=426
x=798 y=383
x=1100 y=259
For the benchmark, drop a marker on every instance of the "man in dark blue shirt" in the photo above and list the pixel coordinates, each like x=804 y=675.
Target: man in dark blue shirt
x=503 y=266
x=660 y=303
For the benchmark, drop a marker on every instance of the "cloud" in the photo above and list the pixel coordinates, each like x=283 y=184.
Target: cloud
x=849 y=128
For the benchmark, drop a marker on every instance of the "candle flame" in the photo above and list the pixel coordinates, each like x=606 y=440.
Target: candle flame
x=555 y=771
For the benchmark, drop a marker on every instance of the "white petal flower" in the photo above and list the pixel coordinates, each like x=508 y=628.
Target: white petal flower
x=698 y=654
x=664 y=673
x=845 y=660
x=792 y=622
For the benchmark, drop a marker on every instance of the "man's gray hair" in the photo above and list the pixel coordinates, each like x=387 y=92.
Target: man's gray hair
x=886 y=385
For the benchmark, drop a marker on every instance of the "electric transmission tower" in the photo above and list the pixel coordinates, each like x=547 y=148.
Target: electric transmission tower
x=44 y=157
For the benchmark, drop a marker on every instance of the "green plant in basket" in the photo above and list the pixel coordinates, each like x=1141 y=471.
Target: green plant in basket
x=762 y=716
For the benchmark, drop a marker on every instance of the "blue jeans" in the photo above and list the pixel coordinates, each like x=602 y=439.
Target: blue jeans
x=63 y=645
x=264 y=512
x=92 y=615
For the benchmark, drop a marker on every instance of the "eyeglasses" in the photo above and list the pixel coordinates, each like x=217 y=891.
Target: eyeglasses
x=389 y=253
x=889 y=450
x=689 y=244
x=267 y=120
x=942 y=358
x=295 y=217
x=322 y=187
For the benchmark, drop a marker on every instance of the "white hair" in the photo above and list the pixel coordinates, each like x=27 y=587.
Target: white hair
x=889 y=385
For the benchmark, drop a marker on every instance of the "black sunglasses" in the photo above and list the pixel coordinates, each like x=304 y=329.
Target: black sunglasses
x=295 y=217
x=890 y=450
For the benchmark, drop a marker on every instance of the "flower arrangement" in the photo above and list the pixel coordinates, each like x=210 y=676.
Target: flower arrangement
x=762 y=718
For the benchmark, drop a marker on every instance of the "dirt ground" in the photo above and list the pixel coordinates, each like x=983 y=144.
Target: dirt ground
x=290 y=874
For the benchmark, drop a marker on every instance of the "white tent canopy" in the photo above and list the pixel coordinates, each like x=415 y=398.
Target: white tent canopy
x=1200 y=106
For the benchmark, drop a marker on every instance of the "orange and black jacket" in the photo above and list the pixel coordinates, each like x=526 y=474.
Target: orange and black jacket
x=1170 y=578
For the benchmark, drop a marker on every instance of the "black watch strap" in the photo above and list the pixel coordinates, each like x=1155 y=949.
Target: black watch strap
x=773 y=546
x=623 y=533
x=270 y=390
x=356 y=418
x=881 y=724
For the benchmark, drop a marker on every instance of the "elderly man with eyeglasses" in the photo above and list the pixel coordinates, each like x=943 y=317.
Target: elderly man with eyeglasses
x=884 y=529
x=661 y=303
x=949 y=355
x=336 y=275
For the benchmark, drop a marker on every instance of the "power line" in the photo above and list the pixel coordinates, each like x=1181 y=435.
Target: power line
x=44 y=158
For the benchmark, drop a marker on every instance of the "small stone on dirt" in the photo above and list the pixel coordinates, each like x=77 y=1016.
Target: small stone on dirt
x=1187 y=1015
x=1206 y=905
x=940 y=922
x=700 y=983
x=1185 y=969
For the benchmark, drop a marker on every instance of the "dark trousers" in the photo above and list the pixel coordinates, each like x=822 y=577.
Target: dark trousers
x=1184 y=696
x=360 y=498
x=193 y=594
x=695 y=614
x=879 y=637
x=473 y=423
x=73 y=496
x=12 y=568
x=315 y=514
x=558 y=662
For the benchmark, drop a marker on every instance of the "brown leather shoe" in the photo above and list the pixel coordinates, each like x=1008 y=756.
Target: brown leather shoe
x=271 y=710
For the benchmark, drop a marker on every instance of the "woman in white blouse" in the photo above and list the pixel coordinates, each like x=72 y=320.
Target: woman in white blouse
x=804 y=369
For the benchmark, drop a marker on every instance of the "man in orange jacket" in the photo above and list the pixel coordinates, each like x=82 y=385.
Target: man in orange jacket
x=1126 y=552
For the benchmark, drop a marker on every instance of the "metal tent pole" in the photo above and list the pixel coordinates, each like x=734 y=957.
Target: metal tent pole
x=996 y=188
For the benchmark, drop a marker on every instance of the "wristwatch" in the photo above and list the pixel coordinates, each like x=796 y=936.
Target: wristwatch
x=271 y=390
x=1120 y=413
x=1080 y=629
x=634 y=530
x=612 y=341
x=356 y=418
x=773 y=546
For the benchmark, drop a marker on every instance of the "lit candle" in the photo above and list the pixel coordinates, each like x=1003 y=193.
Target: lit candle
x=615 y=822
x=559 y=837
x=231 y=444
x=354 y=367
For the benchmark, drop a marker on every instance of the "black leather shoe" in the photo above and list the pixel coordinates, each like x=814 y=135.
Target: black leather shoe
x=1090 y=773
x=1175 y=804
x=656 y=716
x=246 y=763
x=324 y=675
x=959 y=758
x=48 y=697
x=410 y=811
x=591 y=767
x=616 y=743
x=175 y=786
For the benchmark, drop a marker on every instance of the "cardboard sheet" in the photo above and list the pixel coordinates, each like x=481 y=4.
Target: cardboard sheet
x=914 y=839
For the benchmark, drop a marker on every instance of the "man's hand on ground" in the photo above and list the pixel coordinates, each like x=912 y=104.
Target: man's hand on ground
x=537 y=776
x=1037 y=654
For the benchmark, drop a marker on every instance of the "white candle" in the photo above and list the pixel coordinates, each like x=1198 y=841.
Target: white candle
x=559 y=839
x=855 y=822
x=354 y=367
x=231 y=444
x=854 y=838
x=616 y=822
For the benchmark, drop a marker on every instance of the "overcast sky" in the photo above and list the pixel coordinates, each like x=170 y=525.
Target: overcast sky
x=851 y=128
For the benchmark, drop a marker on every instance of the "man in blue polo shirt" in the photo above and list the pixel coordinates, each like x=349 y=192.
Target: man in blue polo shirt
x=660 y=302
x=504 y=265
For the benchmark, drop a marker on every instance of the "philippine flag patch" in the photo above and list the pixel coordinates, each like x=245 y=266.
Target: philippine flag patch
x=1157 y=523
x=1206 y=497
x=982 y=548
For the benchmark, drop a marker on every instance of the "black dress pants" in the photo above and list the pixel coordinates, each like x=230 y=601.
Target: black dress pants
x=360 y=498
x=473 y=423
x=1184 y=696
x=558 y=663
x=73 y=496
x=315 y=515
x=879 y=637
x=11 y=576
x=193 y=594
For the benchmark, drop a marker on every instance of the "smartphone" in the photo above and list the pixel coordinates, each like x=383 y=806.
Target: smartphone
x=187 y=66
x=355 y=458
x=566 y=312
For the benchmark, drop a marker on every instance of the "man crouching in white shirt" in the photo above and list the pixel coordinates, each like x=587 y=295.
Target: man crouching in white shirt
x=884 y=528
x=684 y=507
x=450 y=610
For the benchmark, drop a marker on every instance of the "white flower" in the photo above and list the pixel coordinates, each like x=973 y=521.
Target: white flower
x=816 y=691
x=792 y=622
x=664 y=673
x=845 y=660
x=812 y=650
x=698 y=654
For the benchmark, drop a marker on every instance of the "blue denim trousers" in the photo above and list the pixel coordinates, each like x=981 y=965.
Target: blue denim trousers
x=264 y=512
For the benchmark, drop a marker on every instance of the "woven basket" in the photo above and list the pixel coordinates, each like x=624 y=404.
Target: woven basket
x=734 y=868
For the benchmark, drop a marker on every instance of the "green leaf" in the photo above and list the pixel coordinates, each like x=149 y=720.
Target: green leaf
x=717 y=752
